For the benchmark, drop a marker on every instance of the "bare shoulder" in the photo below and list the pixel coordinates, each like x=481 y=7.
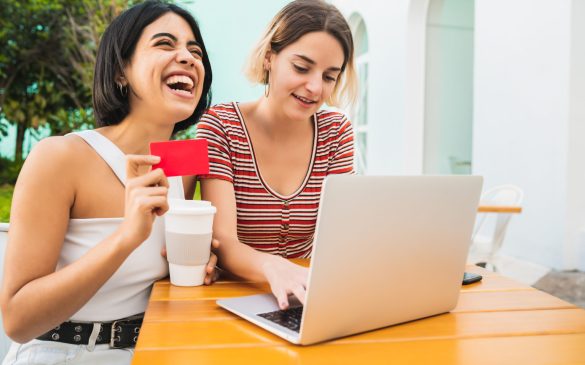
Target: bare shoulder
x=53 y=159
x=58 y=151
x=59 y=147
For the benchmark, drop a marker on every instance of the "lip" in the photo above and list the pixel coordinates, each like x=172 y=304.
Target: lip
x=183 y=95
x=303 y=103
x=191 y=75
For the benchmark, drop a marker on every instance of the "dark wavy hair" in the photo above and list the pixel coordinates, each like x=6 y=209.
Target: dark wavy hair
x=115 y=51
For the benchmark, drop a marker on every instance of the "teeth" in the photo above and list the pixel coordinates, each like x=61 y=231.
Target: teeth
x=184 y=92
x=304 y=99
x=175 y=79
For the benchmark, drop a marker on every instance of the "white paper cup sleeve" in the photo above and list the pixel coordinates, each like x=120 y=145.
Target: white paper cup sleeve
x=182 y=275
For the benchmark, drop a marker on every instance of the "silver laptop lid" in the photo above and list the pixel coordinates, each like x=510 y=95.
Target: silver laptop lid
x=387 y=249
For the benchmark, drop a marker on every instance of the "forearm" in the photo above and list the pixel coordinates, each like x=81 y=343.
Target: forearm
x=50 y=300
x=235 y=256
x=244 y=261
x=285 y=278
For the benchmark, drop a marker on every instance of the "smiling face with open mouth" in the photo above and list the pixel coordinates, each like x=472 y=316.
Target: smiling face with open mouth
x=166 y=73
x=303 y=75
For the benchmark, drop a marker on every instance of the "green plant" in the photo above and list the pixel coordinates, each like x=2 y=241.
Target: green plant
x=5 y=202
x=47 y=57
x=9 y=171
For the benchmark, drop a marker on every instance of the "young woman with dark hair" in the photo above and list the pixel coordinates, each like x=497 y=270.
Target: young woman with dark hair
x=86 y=237
x=269 y=157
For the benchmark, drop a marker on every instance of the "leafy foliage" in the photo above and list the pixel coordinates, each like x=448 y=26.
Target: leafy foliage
x=47 y=55
x=9 y=171
x=5 y=202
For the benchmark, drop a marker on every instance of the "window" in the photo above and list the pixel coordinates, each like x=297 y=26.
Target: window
x=359 y=114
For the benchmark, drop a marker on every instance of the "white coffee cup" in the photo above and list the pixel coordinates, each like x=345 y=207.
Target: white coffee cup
x=188 y=230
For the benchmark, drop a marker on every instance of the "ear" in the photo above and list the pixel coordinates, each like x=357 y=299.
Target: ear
x=120 y=77
x=122 y=80
x=268 y=59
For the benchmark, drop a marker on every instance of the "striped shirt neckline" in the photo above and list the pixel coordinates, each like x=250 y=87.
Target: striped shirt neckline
x=257 y=169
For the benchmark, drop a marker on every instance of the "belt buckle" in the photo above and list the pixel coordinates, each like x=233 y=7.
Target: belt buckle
x=113 y=337
x=116 y=332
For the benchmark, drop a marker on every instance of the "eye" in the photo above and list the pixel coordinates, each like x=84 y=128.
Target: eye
x=330 y=78
x=300 y=68
x=164 y=42
x=196 y=52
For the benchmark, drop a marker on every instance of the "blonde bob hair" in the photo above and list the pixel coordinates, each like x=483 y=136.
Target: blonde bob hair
x=292 y=22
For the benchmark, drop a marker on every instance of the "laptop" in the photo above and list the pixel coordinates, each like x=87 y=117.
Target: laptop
x=387 y=250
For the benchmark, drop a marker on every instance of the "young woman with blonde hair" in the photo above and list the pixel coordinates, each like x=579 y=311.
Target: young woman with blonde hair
x=269 y=157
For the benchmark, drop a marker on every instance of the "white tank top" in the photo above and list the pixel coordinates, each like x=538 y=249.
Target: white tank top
x=126 y=293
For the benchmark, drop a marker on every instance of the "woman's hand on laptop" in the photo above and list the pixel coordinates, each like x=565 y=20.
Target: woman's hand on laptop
x=286 y=278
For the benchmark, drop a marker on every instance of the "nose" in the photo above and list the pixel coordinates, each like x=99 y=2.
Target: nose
x=185 y=57
x=314 y=84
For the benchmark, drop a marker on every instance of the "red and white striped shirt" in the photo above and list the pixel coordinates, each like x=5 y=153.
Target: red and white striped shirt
x=268 y=221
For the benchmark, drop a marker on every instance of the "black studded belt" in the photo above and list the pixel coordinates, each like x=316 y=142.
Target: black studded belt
x=118 y=334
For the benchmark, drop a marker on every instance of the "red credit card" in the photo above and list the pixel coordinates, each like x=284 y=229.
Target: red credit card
x=182 y=158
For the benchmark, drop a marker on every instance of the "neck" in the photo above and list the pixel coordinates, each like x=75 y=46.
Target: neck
x=271 y=118
x=133 y=135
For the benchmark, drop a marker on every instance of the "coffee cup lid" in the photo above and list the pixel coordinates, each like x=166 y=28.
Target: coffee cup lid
x=192 y=207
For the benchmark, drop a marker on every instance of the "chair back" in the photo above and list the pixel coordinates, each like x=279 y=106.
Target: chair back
x=4 y=340
x=491 y=227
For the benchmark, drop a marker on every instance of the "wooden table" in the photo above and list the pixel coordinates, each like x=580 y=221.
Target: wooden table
x=497 y=321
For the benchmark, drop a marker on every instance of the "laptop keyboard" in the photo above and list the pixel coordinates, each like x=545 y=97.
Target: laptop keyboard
x=289 y=318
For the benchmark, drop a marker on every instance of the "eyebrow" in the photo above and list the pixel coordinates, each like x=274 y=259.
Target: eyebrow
x=310 y=61
x=169 y=35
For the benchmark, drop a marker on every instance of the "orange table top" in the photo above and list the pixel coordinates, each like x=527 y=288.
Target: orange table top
x=497 y=321
x=499 y=209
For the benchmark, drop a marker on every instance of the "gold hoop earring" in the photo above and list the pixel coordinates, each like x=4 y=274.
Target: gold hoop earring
x=267 y=83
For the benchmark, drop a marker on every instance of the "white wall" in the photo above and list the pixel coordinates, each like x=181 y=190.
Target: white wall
x=574 y=253
x=386 y=109
x=529 y=114
x=521 y=116
x=397 y=37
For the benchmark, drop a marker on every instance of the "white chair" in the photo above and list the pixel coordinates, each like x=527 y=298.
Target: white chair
x=4 y=340
x=490 y=229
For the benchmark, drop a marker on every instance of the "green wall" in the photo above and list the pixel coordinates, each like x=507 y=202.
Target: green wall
x=449 y=87
x=230 y=29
